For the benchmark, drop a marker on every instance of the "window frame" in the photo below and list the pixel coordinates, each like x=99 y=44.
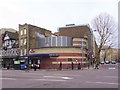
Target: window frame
x=21 y=32
x=25 y=31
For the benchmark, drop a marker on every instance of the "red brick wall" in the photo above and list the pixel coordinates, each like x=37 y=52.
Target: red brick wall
x=46 y=62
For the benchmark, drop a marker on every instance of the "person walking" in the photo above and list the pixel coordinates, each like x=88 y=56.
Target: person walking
x=35 y=67
x=97 y=66
x=27 y=68
x=60 y=65
x=72 y=66
x=79 y=66
x=8 y=67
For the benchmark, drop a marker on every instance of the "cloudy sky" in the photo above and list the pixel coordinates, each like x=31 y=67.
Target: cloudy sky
x=51 y=14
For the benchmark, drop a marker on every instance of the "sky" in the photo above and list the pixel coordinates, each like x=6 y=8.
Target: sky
x=52 y=14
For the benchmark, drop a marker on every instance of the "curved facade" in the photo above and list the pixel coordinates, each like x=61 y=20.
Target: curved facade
x=66 y=57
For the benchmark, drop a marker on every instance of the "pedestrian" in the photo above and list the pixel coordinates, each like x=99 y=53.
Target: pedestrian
x=88 y=65
x=35 y=67
x=4 y=65
x=96 y=66
x=72 y=66
x=79 y=66
x=27 y=68
x=8 y=66
x=32 y=66
x=60 y=65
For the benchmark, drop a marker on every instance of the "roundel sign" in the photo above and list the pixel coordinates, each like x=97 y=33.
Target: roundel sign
x=88 y=51
x=32 y=50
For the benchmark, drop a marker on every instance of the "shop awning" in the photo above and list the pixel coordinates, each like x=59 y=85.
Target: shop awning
x=37 y=55
x=49 y=55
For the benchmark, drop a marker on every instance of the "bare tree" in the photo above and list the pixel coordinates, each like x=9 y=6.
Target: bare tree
x=104 y=26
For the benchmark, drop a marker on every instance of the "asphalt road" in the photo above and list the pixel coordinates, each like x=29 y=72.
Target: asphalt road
x=105 y=77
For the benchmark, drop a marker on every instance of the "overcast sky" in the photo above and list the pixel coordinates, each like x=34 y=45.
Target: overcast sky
x=51 y=14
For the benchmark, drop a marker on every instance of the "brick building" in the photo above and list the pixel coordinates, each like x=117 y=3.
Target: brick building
x=67 y=46
x=29 y=34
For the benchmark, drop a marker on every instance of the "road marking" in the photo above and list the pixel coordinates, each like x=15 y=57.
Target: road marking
x=101 y=82
x=8 y=78
x=53 y=76
x=48 y=80
x=31 y=79
x=58 y=77
x=65 y=75
x=66 y=78
x=111 y=68
x=111 y=76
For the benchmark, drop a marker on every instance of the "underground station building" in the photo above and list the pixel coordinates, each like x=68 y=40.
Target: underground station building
x=70 y=45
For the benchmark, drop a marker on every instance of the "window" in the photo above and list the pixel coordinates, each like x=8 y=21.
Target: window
x=25 y=31
x=21 y=32
x=21 y=42
x=80 y=46
x=25 y=51
x=21 y=53
x=25 y=41
x=80 y=42
x=84 y=42
x=69 y=59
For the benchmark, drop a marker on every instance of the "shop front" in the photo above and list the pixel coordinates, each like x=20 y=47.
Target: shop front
x=53 y=58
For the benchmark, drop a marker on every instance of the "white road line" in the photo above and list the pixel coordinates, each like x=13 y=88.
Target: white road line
x=52 y=76
x=7 y=79
x=65 y=75
x=102 y=82
x=111 y=76
x=48 y=80
x=112 y=68
x=58 y=77
x=66 y=78
x=32 y=79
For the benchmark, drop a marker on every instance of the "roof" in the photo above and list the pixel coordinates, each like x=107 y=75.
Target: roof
x=30 y=25
x=12 y=35
x=57 y=33
x=75 y=31
x=3 y=30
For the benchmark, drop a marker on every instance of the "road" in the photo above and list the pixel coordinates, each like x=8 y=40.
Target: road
x=105 y=77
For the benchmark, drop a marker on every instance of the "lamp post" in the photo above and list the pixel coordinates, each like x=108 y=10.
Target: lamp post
x=76 y=63
x=82 y=54
x=90 y=47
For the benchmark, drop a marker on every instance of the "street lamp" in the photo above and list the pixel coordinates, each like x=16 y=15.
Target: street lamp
x=82 y=54
x=76 y=63
x=89 y=37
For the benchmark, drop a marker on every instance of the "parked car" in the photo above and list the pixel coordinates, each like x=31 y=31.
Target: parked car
x=113 y=62
x=102 y=62
x=107 y=61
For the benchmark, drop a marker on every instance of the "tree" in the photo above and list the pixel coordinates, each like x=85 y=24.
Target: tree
x=106 y=53
x=104 y=25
